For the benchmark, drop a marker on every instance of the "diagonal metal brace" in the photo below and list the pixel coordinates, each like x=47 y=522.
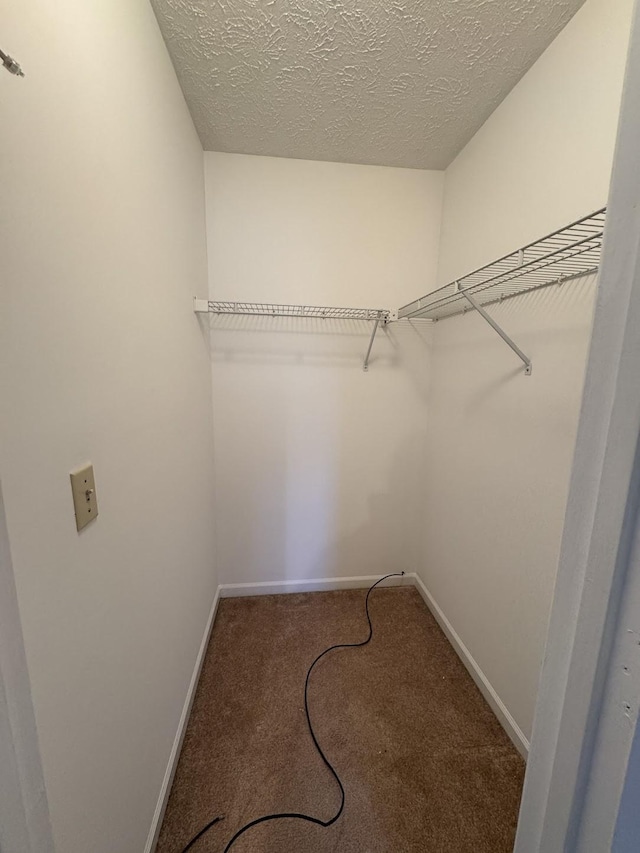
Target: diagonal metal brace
x=365 y=366
x=505 y=337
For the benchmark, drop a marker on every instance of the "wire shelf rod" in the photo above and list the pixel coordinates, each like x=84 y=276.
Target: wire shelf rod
x=537 y=274
x=566 y=253
x=273 y=309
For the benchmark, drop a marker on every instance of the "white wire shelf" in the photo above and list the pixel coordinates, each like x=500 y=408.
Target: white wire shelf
x=273 y=309
x=568 y=253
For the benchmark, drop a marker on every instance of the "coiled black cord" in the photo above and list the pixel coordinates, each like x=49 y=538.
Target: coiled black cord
x=296 y=815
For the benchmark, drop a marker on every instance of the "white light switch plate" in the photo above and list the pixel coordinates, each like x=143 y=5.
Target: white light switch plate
x=83 y=488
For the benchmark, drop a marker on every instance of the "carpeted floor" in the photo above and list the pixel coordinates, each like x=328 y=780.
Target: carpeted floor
x=426 y=766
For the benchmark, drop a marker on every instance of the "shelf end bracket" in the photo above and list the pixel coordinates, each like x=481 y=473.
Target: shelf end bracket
x=200 y=306
x=505 y=337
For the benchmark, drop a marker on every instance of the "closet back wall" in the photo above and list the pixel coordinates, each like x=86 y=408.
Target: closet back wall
x=499 y=444
x=318 y=464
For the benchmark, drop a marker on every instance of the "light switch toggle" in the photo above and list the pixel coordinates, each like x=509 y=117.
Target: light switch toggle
x=83 y=489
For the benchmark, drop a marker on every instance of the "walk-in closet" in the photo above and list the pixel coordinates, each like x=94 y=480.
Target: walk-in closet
x=297 y=306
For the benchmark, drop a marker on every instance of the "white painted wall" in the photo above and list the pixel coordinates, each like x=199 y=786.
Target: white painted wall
x=543 y=158
x=102 y=248
x=318 y=465
x=499 y=445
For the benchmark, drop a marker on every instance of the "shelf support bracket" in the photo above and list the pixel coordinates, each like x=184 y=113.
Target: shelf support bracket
x=505 y=337
x=365 y=366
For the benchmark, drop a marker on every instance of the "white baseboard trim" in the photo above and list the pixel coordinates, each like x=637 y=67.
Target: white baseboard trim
x=232 y=590
x=484 y=685
x=315 y=585
x=174 y=755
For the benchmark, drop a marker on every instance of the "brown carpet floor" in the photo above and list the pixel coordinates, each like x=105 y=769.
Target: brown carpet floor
x=425 y=764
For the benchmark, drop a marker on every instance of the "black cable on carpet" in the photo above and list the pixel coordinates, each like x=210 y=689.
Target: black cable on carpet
x=295 y=815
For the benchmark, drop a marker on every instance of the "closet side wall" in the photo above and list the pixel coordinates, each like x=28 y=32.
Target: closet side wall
x=499 y=444
x=318 y=464
x=543 y=158
x=102 y=247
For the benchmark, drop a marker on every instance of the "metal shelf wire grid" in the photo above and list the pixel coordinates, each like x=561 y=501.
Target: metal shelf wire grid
x=269 y=309
x=565 y=254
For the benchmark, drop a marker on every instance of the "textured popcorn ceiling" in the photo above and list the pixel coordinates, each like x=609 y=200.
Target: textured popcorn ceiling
x=389 y=82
